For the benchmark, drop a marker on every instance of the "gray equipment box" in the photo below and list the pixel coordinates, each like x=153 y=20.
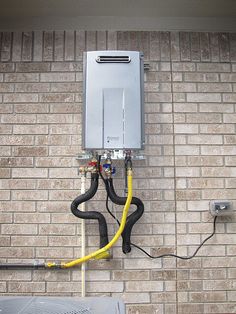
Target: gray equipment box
x=61 y=305
x=113 y=115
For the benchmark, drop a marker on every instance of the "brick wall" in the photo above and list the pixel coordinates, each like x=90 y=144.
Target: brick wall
x=190 y=115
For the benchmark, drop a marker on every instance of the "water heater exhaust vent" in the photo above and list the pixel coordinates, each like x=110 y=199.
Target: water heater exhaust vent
x=113 y=59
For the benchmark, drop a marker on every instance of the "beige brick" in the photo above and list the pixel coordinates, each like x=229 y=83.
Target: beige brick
x=201 y=77
x=30 y=129
x=222 y=108
x=186 y=128
x=65 y=108
x=218 y=150
x=213 y=67
x=53 y=162
x=5 y=173
x=111 y=286
x=218 y=285
x=65 y=129
x=54 y=184
x=203 y=118
x=29 y=195
x=31 y=108
x=31 y=218
x=229 y=118
x=18 y=184
x=16 y=162
x=62 y=195
x=230 y=183
x=163 y=297
x=19 y=98
x=14 y=252
x=30 y=151
x=145 y=286
x=66 y=66
x=228 y=77
x=19 y=229
x=65 y=87
x=229 y=139
x=219 y=307
x=230 y=97
x=217 y=128
x=32 y=67
x=59 y=252
x=214 y=87
x=183 y=66
x=56 y=97
x=5 y=241
x=61 y=287
x=64 y=241
x=203 y=97
x=205 y=160
x=3 y=287
x=145 y=309
x=141 y=264
x=21 y=77
x=159 y=97
x=69 y=45
x=133 y=297
x=29 y=173
x=57 y=229
x=4 y=195
x=26 y=287
x=187 y=172
x=208 y=273
x=6 y=88
x=18 y=118
x=52 y=139
x=50 y=206
x=181 y=150
x=5 y=108
x=179 y=97
x=63 y=219
x=177 y=77
x=54 y=118
x=219 y=172
x=5 y=129
x=30 y=241
x=184 y=87
x=130 y=275
x=32 y=87
x=57 y=77
x=218 y=194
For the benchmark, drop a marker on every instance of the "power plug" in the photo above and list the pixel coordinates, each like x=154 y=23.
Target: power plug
x=221 y=208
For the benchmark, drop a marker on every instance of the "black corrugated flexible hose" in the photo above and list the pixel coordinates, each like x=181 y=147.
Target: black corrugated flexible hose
x=91 y=214
x=131 y=219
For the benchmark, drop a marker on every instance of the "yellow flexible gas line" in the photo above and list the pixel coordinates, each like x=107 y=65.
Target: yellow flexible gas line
x=103 y=252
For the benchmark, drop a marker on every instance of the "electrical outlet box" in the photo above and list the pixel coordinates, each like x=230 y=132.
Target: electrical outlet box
x=113 y=115
x=221 y=208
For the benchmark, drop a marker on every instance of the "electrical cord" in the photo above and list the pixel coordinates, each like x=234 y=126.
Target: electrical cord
x=109 y=211
x=168 y=255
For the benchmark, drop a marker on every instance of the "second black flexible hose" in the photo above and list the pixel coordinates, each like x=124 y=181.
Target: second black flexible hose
x=91 y=214
x=131 y=219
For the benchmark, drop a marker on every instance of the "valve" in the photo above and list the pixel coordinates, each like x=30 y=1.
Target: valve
x=108 y=168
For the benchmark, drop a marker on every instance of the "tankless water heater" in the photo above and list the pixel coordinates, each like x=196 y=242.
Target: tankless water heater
x=113 y=100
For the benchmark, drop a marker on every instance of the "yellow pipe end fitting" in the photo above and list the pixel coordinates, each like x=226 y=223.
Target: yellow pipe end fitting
x=103 y=255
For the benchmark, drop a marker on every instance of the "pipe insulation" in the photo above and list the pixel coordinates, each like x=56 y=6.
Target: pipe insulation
x=83 y=243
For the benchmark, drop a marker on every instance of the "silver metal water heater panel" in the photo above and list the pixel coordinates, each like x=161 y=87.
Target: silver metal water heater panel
x=113 y=100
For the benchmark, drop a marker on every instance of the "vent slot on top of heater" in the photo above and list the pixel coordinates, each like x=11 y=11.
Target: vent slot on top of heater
x=113 y=59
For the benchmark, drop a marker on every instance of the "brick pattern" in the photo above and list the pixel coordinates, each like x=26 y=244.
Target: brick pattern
x=190 y=115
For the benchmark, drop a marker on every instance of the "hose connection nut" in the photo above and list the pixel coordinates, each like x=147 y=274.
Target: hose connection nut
x=108 y=168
